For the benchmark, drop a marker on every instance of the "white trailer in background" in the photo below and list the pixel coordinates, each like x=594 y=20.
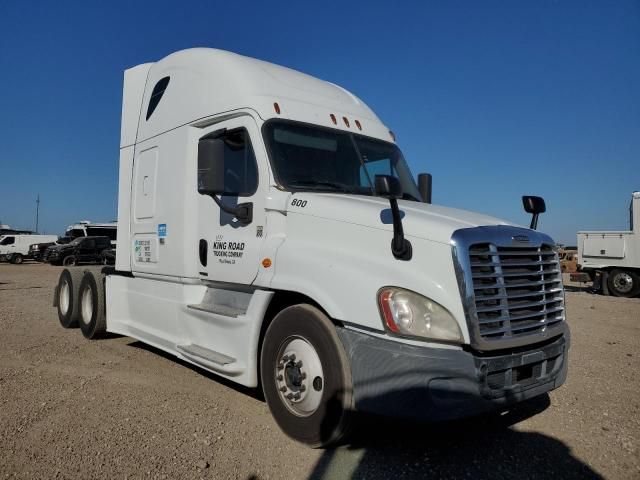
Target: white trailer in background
x=86 y=228
x=611 y=259
x=270 y=231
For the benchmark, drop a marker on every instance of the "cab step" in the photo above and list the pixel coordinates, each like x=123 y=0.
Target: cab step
x=223 y=310
x=203 y=355
x=228 y=303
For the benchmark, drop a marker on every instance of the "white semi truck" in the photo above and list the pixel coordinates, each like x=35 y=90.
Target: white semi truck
x=270 y=231
x=611 y=259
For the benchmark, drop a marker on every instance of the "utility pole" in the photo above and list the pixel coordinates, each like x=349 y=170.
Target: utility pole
x=37 y=211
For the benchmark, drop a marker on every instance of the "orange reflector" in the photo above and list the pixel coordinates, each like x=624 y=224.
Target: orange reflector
x=266 y=263
x=358 y=125
x=346 y=121
x=276 y=107
x=333 y=119
x=393 y=135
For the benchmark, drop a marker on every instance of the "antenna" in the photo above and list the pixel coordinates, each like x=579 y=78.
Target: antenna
x=37 y=211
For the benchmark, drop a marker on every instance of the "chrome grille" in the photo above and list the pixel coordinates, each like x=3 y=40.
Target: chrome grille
x=510 y=285
x=517 y=290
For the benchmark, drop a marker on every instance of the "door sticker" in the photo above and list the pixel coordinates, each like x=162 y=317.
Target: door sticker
x=144 y=251
x=227 y=252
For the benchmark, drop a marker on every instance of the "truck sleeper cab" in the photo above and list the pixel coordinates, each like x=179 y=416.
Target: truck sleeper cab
x=261 y=213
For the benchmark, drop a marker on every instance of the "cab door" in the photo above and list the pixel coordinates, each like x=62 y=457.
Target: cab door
x=228 y=248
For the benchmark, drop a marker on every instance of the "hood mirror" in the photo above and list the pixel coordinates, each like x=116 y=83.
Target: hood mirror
x=534 y=206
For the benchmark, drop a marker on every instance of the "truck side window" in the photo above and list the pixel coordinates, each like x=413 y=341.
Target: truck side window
x=241 y=169
x=8 y=241
x=376 y=167
x=156 y=95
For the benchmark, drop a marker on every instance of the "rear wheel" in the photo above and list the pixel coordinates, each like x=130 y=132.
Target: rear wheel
x=68 y=297
x=623 y=283
x=306 y=376
x=17 y=258
x=92 y=310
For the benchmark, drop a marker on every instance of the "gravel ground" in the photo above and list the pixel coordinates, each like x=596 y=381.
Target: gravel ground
x=114 y=408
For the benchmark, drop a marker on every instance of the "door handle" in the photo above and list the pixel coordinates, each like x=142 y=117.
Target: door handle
x=202 y=251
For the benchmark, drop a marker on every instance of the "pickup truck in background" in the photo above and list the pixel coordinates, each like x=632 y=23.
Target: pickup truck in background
x=611 y=259
x=82 y=250
x=37 y=251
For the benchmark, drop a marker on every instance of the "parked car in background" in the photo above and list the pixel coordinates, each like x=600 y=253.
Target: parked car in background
x=109 y=257
x=80 y=250
x=38 y=250
x=568 y=257
x=15 y=248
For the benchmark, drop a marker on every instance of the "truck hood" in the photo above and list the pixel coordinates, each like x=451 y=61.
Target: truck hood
x=421 y=220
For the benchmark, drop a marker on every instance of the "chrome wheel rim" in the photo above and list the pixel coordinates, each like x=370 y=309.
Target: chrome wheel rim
x=299 y=377
x=63 y=298
x=623 y=282
x=87 y=306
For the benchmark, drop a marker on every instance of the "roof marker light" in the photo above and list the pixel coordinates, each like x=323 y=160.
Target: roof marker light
x=392 y=135
x=358 y=125
x=346 y=121
x=276 y=107
x=333 y=119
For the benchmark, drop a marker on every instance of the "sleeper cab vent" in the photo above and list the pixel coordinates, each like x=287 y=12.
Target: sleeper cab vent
x=156 y=95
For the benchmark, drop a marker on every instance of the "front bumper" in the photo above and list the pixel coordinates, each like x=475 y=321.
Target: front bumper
x=434 y=384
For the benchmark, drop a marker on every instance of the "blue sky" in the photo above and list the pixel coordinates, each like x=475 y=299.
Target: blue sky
x=495 y=99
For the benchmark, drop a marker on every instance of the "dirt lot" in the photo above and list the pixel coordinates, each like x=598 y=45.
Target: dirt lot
x=114 y=408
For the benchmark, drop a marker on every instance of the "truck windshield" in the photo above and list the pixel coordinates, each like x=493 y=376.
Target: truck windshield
x=306 y=157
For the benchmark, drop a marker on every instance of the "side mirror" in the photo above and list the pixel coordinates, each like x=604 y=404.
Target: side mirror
x=424 y=186
x=211 y=176
x=388 y=186
x=211 y=166
x=535 y=206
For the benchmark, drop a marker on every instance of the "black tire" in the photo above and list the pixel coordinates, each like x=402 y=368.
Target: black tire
x=17 y=258
x=70 y=261
x=329 y=422
x=92 y=318
x=623 y=283
x=68 y=297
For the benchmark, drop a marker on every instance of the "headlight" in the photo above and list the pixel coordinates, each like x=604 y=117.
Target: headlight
x=407 y=313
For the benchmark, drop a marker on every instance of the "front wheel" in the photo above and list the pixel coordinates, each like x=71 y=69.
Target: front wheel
x=17 y=258
x=70 y=261
x=306 y=377
x=623 y=283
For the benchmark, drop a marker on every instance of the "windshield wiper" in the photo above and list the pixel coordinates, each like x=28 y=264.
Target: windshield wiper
x=321 y=185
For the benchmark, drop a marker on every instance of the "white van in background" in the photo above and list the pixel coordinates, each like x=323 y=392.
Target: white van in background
x=15 y=248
